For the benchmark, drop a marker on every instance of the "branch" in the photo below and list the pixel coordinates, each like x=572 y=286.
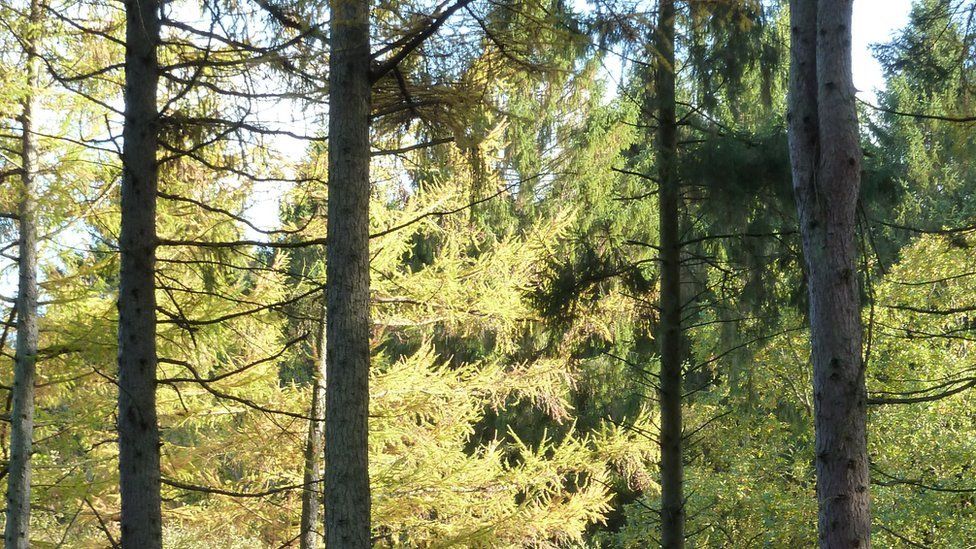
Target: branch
x=424 y=145
x=385 y=67
x=921 y=116
x=444 y=213
x=894 y=481
x=737 y=235
x=291 y=21
x=222 y=492
x=951 y=231
x=930 y=398
x=230 y=373
x=638 y=174
x=241 y=243
x=932 y=311
x=102 y=526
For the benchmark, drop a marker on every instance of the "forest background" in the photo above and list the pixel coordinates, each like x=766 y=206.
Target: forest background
x=514 y=236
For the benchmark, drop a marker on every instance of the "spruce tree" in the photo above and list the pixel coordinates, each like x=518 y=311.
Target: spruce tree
x=825 y=151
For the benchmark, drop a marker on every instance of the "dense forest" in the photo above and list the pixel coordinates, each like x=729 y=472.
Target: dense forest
x=485 y=273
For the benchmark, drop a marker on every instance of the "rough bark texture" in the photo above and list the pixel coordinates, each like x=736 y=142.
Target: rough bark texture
x=138 y=429
x=347 y=500
x=17 y=528
x=672 y=467
x=825 y=153
x=311 y=521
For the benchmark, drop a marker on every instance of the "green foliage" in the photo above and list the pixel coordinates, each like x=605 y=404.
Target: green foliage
x=513 y=279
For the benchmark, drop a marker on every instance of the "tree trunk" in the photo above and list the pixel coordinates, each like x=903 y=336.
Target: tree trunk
x=138 y=430
x=347 y=501
x=17 y=528
x=672 y=467
x=314 y=448
x=825 y=154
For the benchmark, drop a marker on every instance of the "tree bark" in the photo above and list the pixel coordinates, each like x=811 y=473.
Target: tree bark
x=138 y=430
x=672 y=466
x=17 y=527
x=314 y=448
x=826 y=154
x=347 y=498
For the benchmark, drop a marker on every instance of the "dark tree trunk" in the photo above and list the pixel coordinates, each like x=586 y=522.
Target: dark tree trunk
x=311 y=522
x=669 y=333
x=347 y=500
x=138 y=430
x=826 y=157
x=17 y=528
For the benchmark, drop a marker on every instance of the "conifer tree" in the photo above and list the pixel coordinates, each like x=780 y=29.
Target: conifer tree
x=139 y=442
x=17 y=527
x=347 y=501
x=826 y=155
x=669 y=331
x=311 y=519
x=520 y=213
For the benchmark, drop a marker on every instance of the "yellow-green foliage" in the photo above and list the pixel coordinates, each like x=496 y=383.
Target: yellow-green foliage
x=923 y=350
x=229 y=424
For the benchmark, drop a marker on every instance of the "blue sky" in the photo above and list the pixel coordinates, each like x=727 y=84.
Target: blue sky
x=875 y=21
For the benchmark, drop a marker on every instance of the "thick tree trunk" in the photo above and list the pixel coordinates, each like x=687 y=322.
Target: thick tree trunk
x=825 y=153
x=314 y=447
x=672 y=467
x=138 y=430
x=17 y=528
x=347 y=500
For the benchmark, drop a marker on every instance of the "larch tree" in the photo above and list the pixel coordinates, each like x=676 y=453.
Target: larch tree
x=311 y=517
x=352 y=74
x=347 y=500
x=826 y=155
x=139 y=475
x=17 y=527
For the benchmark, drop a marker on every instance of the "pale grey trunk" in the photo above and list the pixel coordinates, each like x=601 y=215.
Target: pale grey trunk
x=138 y=430
x=347 y=499
x=669 y=333
x=826 y=157
x=17 y=527
x=738 y=361
x=311 y=520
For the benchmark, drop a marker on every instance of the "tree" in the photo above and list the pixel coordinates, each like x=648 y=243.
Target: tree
x=347 y=501
x=17 y=528
x=139 y=441
x=669 y=331
x=524 y=218
x=311 y=519
x=826 y=159
x=924 y=123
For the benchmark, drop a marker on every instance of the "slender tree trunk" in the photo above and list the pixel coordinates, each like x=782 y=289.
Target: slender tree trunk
x=826 y=157
x=314 y=448
x=17 y=528
x=138 y=429
x=347 y=500
x=672 y=466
